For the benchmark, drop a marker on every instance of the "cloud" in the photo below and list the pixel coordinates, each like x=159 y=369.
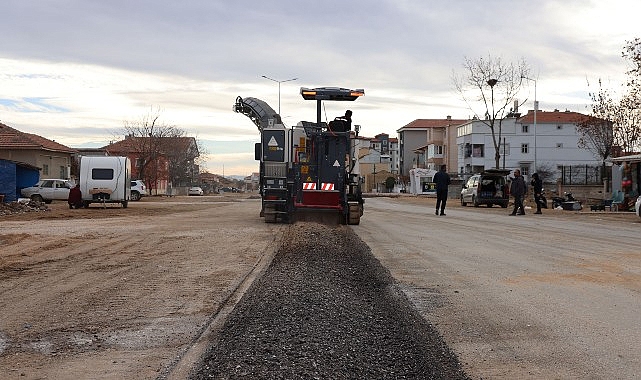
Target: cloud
x=76 y=70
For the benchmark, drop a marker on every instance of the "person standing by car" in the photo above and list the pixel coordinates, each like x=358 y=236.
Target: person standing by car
x=442 y=181
x=537 y=188
x=518 y=190
x=75 y=197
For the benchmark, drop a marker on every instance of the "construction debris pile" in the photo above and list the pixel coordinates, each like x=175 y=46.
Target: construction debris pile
x=22 y=206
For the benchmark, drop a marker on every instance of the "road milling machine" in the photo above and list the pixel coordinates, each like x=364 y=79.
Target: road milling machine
x=308 y=171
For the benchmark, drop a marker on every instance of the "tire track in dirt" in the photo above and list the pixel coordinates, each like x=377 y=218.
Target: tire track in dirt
x=120 y=297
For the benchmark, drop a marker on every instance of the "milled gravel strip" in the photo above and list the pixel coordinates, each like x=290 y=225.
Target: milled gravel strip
x=326 y=309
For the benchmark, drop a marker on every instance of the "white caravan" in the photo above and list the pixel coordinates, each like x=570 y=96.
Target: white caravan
x=105 y=179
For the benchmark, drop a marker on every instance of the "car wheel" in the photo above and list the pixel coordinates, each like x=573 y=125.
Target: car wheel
x=504 y=204
x=135 y=196
x=463 y=203
x=489 y=205
x=37 y=198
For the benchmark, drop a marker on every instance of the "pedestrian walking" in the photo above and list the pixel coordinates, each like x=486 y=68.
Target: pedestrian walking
x=518 y=190
x=537 y=188
x=75 y=197
x=442 y=181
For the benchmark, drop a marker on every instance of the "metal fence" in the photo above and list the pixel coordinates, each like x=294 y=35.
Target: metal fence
x=583 y=175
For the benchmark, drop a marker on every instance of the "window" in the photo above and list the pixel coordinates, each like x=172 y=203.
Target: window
x=525 y=170
x=525 y=148
x=505 y=149
x=107 y=174
x=559 y=145
x=45 y=169
x=525 y=128
x=438 y=149
x=478 y=150
x=63 y=172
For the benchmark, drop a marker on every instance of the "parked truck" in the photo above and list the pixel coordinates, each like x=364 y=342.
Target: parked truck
x=105 y=179
x=308 y=169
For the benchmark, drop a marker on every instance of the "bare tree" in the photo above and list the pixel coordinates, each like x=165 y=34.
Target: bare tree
x=632 y=52
x=160 y=155
x=627 y=123
x=596 y=135
x=491 y=85
x=624 y=113
x=596 y=131
x=182 y=154
x=630 y=135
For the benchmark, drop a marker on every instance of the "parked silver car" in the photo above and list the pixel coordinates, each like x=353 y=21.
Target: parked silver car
x=488 y=188
x=47 y=190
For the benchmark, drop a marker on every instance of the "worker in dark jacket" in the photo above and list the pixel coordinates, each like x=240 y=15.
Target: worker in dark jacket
x=75 y=197
x=442 y=181
x=537 y=188
x=518 y=190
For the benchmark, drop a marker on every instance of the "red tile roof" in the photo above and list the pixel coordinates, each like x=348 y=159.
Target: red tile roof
x=432 y=123
x=553 y=117
x=11 y=138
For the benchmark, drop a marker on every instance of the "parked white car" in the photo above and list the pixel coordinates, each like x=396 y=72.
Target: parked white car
x=47 y=190
x=138 y=190
x=195 y=191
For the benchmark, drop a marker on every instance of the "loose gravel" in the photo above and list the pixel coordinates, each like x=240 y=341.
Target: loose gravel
x=326 y=309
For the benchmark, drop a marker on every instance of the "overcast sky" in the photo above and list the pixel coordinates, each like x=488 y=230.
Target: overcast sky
x=74 y=70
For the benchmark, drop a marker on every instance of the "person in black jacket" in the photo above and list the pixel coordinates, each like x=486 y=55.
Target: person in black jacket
x=537 y=188
x=518 y=190
x=442 y=181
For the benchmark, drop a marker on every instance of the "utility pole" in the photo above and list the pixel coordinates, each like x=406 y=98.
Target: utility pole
x=536 y=110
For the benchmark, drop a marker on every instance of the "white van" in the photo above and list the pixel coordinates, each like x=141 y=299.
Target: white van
x=105 y=179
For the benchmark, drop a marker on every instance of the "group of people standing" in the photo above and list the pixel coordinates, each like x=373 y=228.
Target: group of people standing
x=518 y=189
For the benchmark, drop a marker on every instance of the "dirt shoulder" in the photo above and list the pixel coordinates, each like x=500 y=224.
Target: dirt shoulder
x=120 y=293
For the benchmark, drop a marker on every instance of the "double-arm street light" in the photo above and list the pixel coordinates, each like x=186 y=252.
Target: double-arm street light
x=279 y=82
x=536 y=109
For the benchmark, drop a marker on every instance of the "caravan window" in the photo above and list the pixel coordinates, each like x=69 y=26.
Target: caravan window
x=105 y=174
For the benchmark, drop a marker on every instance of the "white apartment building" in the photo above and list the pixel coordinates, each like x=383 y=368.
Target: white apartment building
x=551 y=143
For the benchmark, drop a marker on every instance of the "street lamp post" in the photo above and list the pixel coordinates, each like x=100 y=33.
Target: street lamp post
x=492 y=82
x=536 y=109
x=279 y=82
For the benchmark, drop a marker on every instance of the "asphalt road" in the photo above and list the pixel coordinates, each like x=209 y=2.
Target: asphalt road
x=553 y=296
